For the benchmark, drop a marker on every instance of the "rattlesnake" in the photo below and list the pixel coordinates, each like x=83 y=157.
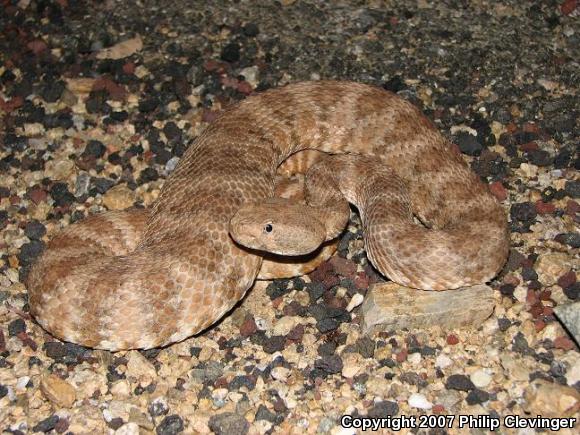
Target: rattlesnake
x=141 y=279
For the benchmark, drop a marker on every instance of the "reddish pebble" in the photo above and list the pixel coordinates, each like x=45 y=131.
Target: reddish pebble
x=438 y=409
x=13 y=104
x=545 y=207
x=276 y=302
x=530 y=127
x=563 y=343
x=511 y=128
x=545 y=295
x=548 y=311
x=248 y=327
x=37 y=46
x=532 y=297
x=537 y=310
x=530 y=146
x=25 y=339
x=496 y=188
x=342 y=266
x=129 y=68
x=572 y=207
x=539 y=325
x=245 y=88
x=568 y=6
x=402 y=356
x=361 y=281
x=452 y=339
x=567 y=279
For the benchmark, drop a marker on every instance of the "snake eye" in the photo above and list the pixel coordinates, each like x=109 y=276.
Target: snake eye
x=268 y=228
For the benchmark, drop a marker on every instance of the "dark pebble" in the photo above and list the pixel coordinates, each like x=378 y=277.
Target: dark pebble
x=277 y=288
x=100 y=185
x=523 y=212
x=573 y=291
x=412 y=378
x=327 y=348
x=395 y=84
x=228 y=423
x=572 y=188
x=540 y=157
x=95 y=148
x=120 y=116
x=55 y=350
x=529 y=274
x=148 y=105
x=329 y=364
x=172 y=131
x=327 y=325
x=115 y=423
x=34 y=230
x=29 y=252
x=47 y=424
x=504 y=323
x=520 y=344
x=383 y=409
x=387 y=362
x=477 y=396
x=507 y=290
x=459 y=382
x=242 y=381
x=52 y=92
x=231 y=52
x=365 y=346
x=61 y=195
x=264 y=413
x=274 y=344
x=34 y=361
x=251 y=30
x=147 y=175
x=3 y=391
x=16 y=326
x=468 y=144
x=522 y=137
x=315 y=291
x=170 y=425
x=570 y=239
x=157 y=408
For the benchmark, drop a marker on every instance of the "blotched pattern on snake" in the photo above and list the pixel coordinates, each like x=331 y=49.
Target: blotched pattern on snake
x=146 y=278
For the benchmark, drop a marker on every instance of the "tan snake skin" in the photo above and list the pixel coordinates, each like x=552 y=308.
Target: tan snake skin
x=141 y=279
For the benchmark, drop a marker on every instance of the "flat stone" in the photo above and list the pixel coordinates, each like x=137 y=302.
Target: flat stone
x=569 y=315
x=392 y=306
x=59 y=392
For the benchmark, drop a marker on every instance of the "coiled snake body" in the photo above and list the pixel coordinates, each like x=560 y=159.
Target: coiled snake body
x=146 y=278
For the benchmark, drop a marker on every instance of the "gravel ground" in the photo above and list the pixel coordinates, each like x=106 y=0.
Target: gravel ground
x=99 y=99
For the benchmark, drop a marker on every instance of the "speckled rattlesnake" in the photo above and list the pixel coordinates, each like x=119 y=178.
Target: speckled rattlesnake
x=141 y=279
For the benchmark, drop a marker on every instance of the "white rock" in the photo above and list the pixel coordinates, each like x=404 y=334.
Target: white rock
x=480 y=378
x=443 y=361
x=121 y=388
x=414 y=358
x=280 y=373
x=128 y=429
x=417 y=400
x=573 y=373
x=285 y=325
x=520 y=293
x=356 y=300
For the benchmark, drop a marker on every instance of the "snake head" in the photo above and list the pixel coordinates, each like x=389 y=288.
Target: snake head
x=278 y=226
